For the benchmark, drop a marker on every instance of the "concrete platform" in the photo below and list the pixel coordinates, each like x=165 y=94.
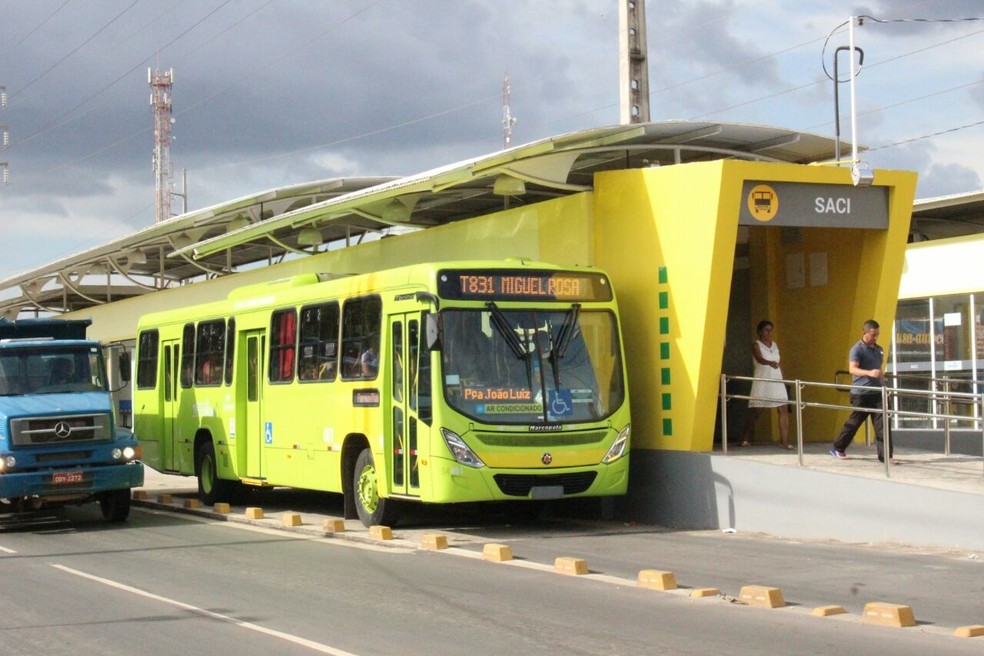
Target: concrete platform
x=929 y=500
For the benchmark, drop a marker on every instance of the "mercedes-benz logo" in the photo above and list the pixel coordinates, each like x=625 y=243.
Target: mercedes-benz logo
x=63 y=429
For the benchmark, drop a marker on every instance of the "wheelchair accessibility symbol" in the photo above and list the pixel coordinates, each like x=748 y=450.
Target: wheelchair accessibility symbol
x=559 y=404
x=268 y=432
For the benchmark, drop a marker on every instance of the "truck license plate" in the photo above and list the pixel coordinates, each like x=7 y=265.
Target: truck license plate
x=67 y=478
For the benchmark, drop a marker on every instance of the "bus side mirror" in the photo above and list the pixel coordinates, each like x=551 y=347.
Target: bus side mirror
x=432 y=331
x=124 y=365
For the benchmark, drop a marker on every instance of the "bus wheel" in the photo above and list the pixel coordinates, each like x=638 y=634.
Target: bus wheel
x=373 y=510
x=209 y=485
x=115 y=505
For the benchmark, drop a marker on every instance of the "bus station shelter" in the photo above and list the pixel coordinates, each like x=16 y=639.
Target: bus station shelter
x=704 y=229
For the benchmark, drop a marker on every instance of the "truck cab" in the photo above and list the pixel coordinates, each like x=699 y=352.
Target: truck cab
x=60 y=443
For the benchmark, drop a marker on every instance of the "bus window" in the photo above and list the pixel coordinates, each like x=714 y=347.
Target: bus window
x=283 y=337
x=420 y=384
x=147 y=359
x=230 y=350
x=188 y=359
x=209 y=352
x=361 y=320
x=318 y=345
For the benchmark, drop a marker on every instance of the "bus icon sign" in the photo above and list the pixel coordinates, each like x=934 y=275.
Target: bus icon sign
x=763 y=202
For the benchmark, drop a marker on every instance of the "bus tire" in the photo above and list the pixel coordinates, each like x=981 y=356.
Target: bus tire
x=115 y=505
x=210 y=487
x=373 y=510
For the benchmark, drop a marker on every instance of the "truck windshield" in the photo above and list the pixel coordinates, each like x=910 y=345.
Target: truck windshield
x=35 y=370
x=543 y=366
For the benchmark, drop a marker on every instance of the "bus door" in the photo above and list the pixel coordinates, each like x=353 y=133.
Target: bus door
x=409 y=400
x=253 y=432
x=171 y=354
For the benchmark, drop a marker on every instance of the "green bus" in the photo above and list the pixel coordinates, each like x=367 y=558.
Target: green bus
x=439 y=383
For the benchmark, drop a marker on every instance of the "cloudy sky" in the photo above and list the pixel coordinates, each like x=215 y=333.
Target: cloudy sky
x=274 y=92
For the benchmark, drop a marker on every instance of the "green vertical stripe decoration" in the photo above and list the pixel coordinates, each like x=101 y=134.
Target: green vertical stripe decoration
x=667 y=427
x=664 y=325
x=662 y=275
x=664 y=300
x=664 y=350
x=664 y=375
x=666 y=401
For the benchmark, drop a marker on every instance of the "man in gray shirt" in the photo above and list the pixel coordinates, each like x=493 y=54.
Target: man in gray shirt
x=865 y=365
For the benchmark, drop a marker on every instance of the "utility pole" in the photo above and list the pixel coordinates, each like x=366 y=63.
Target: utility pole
x=633 y=67
x=4 y=138
x=508 y=120
x=160 y=100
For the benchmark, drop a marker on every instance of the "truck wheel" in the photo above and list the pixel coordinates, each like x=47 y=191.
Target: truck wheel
x=115 y=505
x=373 y=510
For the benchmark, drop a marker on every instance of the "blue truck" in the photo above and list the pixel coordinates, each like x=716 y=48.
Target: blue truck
x=60 y=443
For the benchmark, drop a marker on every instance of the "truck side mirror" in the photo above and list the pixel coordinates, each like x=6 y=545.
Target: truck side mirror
x=124 y=365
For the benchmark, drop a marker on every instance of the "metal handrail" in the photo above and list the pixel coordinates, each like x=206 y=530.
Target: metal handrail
x=888 y=413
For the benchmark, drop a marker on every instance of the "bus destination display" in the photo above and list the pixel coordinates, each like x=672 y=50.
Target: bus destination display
x=523 y=285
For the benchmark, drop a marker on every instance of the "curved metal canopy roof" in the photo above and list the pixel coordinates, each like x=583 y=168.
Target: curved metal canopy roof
x=302 y=219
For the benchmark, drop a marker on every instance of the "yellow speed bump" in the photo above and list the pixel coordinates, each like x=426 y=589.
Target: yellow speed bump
x=291 y=519
x=140 y=494
x=656 y=580
x=759 y=595
x=192 y=503
x=569 y=565
x=497 y=552
x=705 y=592
x=254 y=513
x=897 y=615
x=380 y=532
x=333 y=525
x=827 y=611
x=221 y=507
x=164 y=498
x=434 y=542
x=971 y=631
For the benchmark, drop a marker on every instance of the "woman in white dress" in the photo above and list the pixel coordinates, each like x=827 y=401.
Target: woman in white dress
x=767 y=390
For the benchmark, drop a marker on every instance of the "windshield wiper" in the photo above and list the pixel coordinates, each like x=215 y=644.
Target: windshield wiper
x=566 y=333
x=519 y=349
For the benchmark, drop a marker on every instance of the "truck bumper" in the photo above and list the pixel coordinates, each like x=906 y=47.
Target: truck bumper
x=66 y=483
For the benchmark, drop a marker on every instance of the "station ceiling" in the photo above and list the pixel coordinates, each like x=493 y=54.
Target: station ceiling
x=305 y=219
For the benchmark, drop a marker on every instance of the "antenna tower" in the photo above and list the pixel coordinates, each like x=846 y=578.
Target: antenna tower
x=633 y=66
x=160 y=100
x=508 y=120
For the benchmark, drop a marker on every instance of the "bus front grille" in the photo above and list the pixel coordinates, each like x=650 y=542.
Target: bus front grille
x=541 y=440
x=519 y=485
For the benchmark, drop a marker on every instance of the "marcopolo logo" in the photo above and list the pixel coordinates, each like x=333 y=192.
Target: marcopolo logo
x=763 y=202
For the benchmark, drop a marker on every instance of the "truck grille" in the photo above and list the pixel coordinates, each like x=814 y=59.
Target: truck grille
x=60 y=430
x=519 y=485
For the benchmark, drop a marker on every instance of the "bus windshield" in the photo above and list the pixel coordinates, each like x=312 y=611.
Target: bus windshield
x=51 y=371
x=532 y=366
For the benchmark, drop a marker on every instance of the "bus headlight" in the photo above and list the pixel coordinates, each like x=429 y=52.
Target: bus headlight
x=460 y=450
x=620 y=446
x=7 y=463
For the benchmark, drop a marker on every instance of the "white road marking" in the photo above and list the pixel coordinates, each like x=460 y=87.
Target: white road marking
x=7 y=551
x=304 y=642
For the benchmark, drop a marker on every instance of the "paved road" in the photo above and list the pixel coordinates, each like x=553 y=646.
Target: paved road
x=168 y=583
